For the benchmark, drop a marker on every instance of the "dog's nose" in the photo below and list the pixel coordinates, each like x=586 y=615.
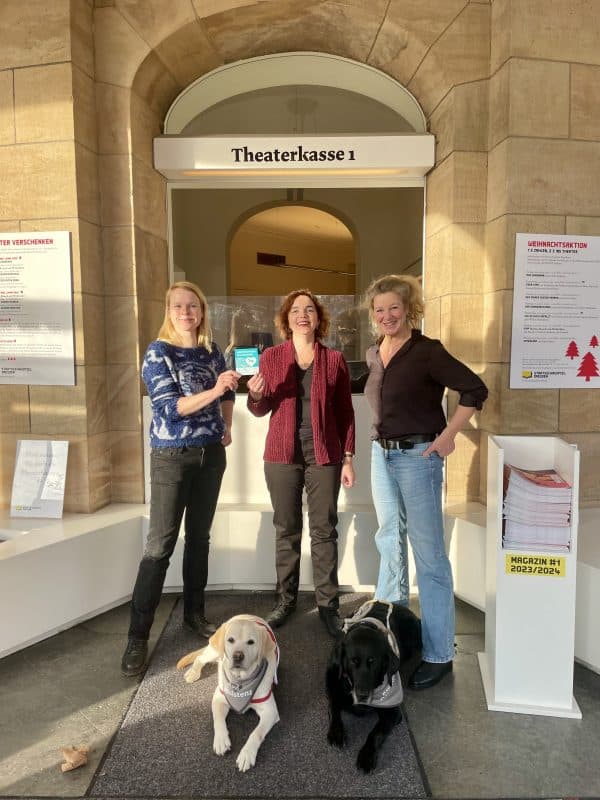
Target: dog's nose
x=238 y=657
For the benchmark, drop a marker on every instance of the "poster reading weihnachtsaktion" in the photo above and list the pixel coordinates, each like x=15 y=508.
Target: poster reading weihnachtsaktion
x=556 y=312
x=36 y=312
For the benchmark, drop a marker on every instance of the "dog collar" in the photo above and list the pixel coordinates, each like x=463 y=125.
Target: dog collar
x=364 y=616
x=387 y=695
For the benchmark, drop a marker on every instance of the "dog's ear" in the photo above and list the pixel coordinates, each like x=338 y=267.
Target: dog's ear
x=217 y=640
x=268 y=645
x=337 y=659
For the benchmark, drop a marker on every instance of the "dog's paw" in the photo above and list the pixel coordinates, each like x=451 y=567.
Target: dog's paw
x=367 y=758
x=246 y=759
x=193 y=674
x=221 y=743
x=336 y=735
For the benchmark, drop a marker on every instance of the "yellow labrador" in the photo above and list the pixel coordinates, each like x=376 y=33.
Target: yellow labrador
x=247 y=654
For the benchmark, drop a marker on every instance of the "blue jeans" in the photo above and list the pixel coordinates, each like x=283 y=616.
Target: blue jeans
x=407 y=493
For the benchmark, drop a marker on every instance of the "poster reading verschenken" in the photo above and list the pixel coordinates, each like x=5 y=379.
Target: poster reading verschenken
x=36 y=312
x=556 y=312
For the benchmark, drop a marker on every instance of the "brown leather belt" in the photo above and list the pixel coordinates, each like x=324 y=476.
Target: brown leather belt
x=406 y=443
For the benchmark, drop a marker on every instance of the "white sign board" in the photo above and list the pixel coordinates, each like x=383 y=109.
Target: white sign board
x=556 y=312
x=39 y=479
x=36 y=310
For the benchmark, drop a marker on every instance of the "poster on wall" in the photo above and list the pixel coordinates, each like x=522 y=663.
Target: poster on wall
x=36 y=309
x=39 y=479
x=556 y=312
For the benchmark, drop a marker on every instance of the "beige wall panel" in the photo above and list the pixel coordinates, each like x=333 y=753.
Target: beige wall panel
x=188 y=53
x=500 y=34
x=431 y=320
x=465 y=339
x=494 y=376
x=585 y=108
x=497 y=322
x=115 y=190
x=152 y=20
x=59 y=410
x=82 y=36
x=554 y=177
x=408 y=30
x=152 y=313
x=589 y=485
x=88 y=194
x=206 y=8
x=89 y=329
x=500 y=245
x=468 y=255
x=113 y=105
x=124 y=397
x=580 y=410
x=127 y=476
x=584 y=226
x=348 y=30
x=84 y=100
x=7 y=108
x=99 y=471
x=96 y=391
x=8 y=451
x=9 y=225
x=152 y=266
x=528 y=411
x=119 y=49
x=145 y=126
x=456 y=191
x=155 y=85
x=119 y=260
x=44 y=103
x=149 y=197
x=438 y=265
x=14 y=409
x=121 y=330
x=38 y=180
x=77 y=500
x=462 y=469
x=538 y=99
x=34 y=32
x=460 y=120
x=497 y=181
x=460 y=55
x=559 y=30
x=439 y=198
x=499 y=110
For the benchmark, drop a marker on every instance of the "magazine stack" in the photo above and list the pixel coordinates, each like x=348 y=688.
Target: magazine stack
x=537 y=510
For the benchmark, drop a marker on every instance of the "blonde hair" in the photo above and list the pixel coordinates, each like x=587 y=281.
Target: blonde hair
x=167 y=332
x=281 y=319
x=408 y=290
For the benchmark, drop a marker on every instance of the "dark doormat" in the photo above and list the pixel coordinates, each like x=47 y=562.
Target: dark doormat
x=164 y=746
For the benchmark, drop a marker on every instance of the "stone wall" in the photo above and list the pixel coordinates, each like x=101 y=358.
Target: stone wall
x=509 y=90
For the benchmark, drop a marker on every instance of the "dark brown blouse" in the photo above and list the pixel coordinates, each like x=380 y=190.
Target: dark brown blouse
x=406 y=396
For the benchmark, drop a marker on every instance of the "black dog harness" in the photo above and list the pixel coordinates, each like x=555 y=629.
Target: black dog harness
x=376 y=614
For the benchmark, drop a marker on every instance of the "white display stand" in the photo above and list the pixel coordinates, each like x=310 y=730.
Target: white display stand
x=527 y=666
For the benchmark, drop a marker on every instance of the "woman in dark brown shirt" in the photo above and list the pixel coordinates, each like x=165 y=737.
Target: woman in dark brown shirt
x=408 y=375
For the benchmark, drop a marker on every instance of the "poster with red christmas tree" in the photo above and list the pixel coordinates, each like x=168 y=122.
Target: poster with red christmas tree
x=588 y=367
x=594 y=341
x=572 y=350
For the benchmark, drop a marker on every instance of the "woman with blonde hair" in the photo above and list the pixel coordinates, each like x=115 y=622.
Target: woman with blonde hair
x=305 y=387
x=408 y=375
x=192 y=395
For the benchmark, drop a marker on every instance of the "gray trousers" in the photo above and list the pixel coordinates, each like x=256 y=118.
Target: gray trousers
x=322 y=483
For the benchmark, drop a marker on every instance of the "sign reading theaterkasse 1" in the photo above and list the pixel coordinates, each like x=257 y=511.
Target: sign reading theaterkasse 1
x=556 y=312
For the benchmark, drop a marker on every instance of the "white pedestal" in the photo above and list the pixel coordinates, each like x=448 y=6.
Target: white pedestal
x=527 y=666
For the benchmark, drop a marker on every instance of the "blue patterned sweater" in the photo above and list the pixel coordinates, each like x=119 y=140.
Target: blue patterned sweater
x=171 y=372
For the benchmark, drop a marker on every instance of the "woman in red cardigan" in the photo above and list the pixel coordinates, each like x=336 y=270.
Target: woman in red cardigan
x=305 y=387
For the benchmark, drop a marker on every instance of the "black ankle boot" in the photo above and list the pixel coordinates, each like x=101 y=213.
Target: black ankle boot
x=282 y=610
x=198 y=624
x=134 y=657
x=331 y=620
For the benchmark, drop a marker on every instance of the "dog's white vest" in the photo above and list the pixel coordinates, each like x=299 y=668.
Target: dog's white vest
x=240 y=694
x=389 y=693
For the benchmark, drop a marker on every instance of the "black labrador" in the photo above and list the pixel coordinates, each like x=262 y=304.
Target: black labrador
x=363 y=673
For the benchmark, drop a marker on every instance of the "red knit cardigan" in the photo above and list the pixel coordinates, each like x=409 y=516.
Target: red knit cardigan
x=332 y=413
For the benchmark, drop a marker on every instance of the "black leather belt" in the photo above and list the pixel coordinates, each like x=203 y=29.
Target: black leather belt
x=406 y=443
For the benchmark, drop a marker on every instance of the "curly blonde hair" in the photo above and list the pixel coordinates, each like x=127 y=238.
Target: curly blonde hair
x=408 y=290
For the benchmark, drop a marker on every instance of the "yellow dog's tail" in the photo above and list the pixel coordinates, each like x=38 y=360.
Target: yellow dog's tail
x=185 y=661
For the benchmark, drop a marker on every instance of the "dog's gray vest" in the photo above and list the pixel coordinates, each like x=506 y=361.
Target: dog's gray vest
x=389 y=693
x=239 y=694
